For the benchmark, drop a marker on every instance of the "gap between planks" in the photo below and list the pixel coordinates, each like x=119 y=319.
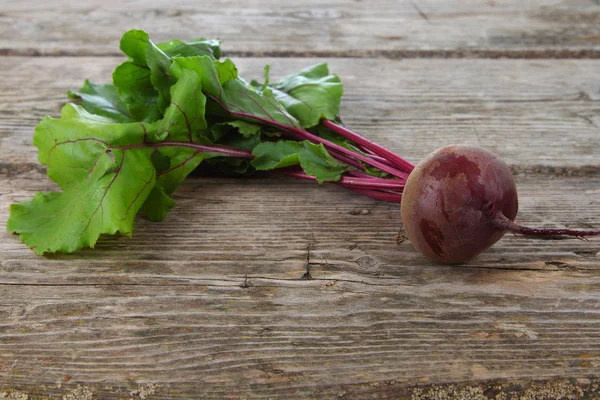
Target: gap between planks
x=14 y=169
x=533 y=54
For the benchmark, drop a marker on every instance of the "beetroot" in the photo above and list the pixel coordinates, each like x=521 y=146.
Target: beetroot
x=459 y=201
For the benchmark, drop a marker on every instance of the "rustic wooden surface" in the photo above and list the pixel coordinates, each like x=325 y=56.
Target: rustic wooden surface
x=392 y=28
x=270 y=288
x=503 y=105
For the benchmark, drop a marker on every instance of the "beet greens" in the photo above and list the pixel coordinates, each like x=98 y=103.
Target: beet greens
x=127 y=146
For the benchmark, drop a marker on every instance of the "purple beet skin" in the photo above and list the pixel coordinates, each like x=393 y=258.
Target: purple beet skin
x=450 y=200
x=459 y=201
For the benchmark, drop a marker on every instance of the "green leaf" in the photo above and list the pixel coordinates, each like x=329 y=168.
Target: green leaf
x=159 y=64
x=266 y=71
x=241 y=142
x=145 y=54
x=105 y=179
x=250 y=104
x=226 y=70
x=182 y=161
x=184 y=119
x=314 y=159
x=104 y=182
x=246 y=129
x=176 y=163
x=133 y=78
x=70 y=145
x=310 y=95
x=102 y=194
x=317 y=162
x=220 y=82
x=157 y=205
x=233 y=166
x=144 y=82
x=107 y=202
x=134 y=43
x=273 y=155
x=217 y=131
x=160 y=161
x=195 y=47
x=212 y=73
x=102 y=100
x=134 y=86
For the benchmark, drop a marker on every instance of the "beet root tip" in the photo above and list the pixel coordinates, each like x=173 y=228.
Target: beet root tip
x=502 y=222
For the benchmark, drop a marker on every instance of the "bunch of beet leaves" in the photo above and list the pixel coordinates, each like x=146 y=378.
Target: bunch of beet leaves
x=127 y=146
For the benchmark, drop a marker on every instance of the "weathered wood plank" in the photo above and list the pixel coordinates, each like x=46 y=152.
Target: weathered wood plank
x=539 y=28
x=275 y=340
x=532 y=113
x=231 y=232
x=214 y=302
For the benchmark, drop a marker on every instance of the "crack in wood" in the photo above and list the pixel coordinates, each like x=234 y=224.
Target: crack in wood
x=14 y=169
x=589 y=53
x=419 y=10
x=560 y=266
x=549 y=266
x=246 y=284
x=307 y=276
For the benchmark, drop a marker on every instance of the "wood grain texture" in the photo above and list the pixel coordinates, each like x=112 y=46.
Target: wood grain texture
x=265 y=288
x=537 y=115
x=320 y=302
x=413 y=28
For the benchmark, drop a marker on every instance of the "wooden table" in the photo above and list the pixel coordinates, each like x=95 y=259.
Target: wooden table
x=266 y=288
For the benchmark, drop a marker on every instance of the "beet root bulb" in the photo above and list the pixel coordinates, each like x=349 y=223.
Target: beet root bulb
x=459 y=201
